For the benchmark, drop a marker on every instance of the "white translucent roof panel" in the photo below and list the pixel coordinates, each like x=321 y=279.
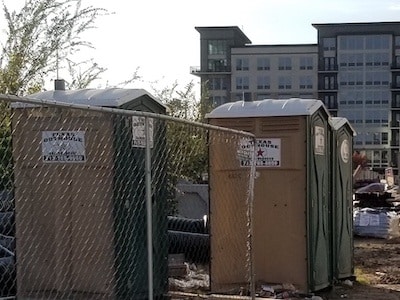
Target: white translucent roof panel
x=267 y=108
x=111 y=97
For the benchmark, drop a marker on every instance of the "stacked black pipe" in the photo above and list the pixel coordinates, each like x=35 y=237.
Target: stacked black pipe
x=190 y=237
x=7 y=246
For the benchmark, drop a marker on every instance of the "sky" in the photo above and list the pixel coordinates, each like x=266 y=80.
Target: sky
x=159 y=36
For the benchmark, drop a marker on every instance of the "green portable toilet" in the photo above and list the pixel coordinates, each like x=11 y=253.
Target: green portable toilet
x=342 y=198
x=291 y=224
x=94 y=245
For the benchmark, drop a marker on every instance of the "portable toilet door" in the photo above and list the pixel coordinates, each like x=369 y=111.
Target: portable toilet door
x=342 y=201
x=318 y=186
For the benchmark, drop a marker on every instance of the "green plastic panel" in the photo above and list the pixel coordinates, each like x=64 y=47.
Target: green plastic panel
x=319 y=229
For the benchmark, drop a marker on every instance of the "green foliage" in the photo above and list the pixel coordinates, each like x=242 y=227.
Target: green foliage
x=36 y=39
x=40 y=36
x=187 y=144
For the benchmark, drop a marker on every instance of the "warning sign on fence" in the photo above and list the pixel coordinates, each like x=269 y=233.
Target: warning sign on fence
x=139 y=132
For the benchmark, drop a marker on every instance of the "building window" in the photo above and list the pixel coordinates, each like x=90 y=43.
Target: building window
x=377 y=59
x=330 y=101
x=384 y=138
x=218 y=65
x=263 y=82
x=376 y=117
x=377 y=42
x=397 y=42
x=284 y=82
x=351 y=42
x=358 y=140
x=329 y=44
x=397 y=81
x=397 y=61
x=243 y=96
x=263 y=96
x=351 y=78
x=306 y=63
x=217 y=84
x=242 y=64
x=351 y=60
x=396 y=100
x=329 y=63
x=242 y=83
x=263 y=63
x=217 y=47
x=306 y=82
x=377 y=98
x=218 y=100
x=285 y=63
x=329 y=82
x=377 y=78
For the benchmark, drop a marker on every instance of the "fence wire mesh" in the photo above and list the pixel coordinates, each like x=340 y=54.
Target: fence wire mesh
x=112 y=204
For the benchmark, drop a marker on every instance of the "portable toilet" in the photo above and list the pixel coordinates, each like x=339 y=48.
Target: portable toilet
x=81 y=214
x=291 y=224
x=342 y=198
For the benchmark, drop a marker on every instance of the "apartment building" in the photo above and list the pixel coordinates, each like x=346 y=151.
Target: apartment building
x=354 y=68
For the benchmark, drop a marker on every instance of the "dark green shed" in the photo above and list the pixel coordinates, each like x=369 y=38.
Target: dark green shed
x=130 y=274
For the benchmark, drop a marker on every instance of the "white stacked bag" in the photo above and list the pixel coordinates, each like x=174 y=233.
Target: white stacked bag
x=377 y=222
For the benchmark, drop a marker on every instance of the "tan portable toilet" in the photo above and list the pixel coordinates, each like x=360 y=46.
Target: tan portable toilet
x=80 y=198
x=291 y=225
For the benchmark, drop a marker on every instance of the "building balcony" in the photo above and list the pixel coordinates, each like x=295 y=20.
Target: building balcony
x=220 y=70
x=194 y=70
x=394 y=124
x=323 y=89
x=330 y=69
x=395 y=66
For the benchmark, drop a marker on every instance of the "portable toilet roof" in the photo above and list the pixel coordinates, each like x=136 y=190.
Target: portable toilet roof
x=267 y=108
x=110 y=97
x=339 y=122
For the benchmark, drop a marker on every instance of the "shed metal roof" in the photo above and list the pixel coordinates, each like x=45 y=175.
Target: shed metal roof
x=267 y=108
x=110 y=97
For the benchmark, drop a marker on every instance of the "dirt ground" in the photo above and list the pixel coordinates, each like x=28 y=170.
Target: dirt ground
x=377 y=271
x=377 y=274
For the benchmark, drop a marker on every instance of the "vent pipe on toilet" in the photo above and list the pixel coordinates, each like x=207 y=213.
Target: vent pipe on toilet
x=59 y=85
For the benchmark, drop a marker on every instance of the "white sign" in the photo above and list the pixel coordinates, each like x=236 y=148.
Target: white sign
x=267 y=152
x=139 y=132
x=345 y=151
x=319 y=147
x=389 y=176
x=63 y=147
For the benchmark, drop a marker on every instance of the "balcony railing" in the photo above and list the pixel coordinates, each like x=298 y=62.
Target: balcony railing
x=217 y=69
x=328 y=69
x=194 y=69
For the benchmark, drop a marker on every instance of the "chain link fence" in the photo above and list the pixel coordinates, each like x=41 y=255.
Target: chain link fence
x=101 y=203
